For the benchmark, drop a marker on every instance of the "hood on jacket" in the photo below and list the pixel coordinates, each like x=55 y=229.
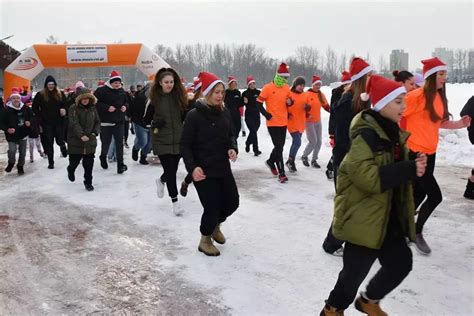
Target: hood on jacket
x=85 y=93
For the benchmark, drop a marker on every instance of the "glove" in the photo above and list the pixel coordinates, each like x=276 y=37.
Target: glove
x=331 y=140
x=307 y=107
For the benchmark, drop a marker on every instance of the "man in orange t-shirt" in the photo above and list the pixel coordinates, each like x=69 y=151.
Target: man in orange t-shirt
x=275 y=95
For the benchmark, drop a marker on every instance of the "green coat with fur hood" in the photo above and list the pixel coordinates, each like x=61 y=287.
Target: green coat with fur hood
x=83 y=121
x=371 y=185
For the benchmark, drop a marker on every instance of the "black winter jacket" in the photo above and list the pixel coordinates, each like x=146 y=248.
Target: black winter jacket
x=16 y=118
x=48 y=111
x=468 y=109
x=233 y=102
x=106 y=97
x=251 y=108
x=335 y=97
x=206 y=140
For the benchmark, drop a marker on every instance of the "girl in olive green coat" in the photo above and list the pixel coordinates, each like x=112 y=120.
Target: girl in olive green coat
x=83 y=129
x=165 y=112
x=374 y=207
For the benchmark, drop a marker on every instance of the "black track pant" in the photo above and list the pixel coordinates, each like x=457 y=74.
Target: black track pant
x=426 y=186
x=170 y=168
x=106 y=133
x=278 y=135
x=87 y=163
x=220 y=198
x=253 y=123
x=396 y=260
x=51 y=133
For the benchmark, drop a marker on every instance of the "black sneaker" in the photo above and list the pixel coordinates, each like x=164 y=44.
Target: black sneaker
x=70 y=175
x=272 y=167
x=330 y=174
x=89 y=186
x=305 y=161
x=469 y=193
x=20 y=170
x=244 y=134
x=9 y=167
x=257 y=153
x=143 y=161
x=121 y=168
x=51 y=165
x=290 y=164
x=126 y=145
x=315 y=164
x=135 y=154
x=184 y=189
x=247 y=148
x=64 y=151
x=103 y=162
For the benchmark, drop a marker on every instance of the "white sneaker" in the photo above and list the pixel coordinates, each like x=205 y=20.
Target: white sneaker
x=160 y=188
x=177 y=209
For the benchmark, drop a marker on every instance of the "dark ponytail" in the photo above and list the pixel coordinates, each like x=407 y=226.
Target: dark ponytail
x=402 y=76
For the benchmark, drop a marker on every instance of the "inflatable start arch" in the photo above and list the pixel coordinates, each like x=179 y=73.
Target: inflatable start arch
x=38 y=57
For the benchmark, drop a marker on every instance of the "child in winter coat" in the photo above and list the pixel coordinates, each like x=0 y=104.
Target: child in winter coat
x=374 y=207
x=16 y=122
x=84 y=127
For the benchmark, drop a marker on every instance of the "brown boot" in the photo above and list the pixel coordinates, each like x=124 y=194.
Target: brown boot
x=331 y=311
x=218 y=236
x=369 y=307
x=207 y=247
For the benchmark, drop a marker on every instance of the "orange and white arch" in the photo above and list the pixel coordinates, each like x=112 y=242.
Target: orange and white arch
x=38 y=57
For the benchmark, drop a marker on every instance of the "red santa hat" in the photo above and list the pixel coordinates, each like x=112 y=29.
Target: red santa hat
x=346 y=77
x=197 y=83
x=100 y=83
x=231 y=79
x=115 y=76
x=316 y=79
x=359 y=68
x=250 y=80
x=432 y=65
x=381 y=91
x=209 y=81
x=15 y=92
x=283 y=70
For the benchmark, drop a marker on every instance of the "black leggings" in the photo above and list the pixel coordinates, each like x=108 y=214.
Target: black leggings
x=396 y=261
x=278 y=135
x=426 y=186
x=253 y=123
x=87 y=163
x=220 y=199
x=126 y=127
x=51 y=133
x=170 y=168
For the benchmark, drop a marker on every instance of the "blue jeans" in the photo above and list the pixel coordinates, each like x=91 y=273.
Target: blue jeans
x=142 y=139
x=296 y=144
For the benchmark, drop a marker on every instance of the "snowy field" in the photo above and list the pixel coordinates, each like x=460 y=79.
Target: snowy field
x=120 y=249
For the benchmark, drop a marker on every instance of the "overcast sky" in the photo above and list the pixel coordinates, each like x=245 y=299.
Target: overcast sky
x=356 y=27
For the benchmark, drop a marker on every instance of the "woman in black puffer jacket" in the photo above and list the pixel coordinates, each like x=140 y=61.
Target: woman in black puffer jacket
x=207 y=145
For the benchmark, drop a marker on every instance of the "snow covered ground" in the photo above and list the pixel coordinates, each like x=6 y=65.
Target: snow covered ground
x=120 y=249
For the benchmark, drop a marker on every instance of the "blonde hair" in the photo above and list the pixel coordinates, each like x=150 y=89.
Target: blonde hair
x=219 y=106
